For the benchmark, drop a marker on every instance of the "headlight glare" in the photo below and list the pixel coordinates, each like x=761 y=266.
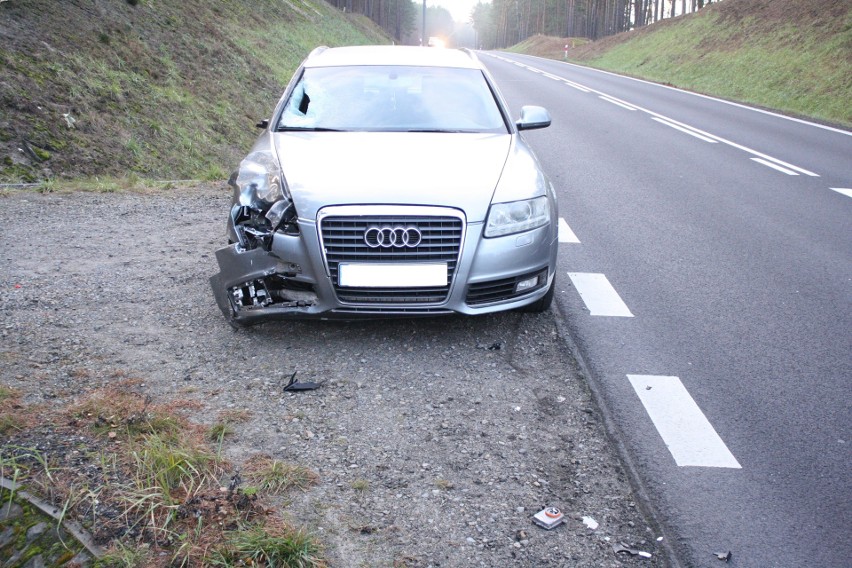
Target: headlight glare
x=517 y=216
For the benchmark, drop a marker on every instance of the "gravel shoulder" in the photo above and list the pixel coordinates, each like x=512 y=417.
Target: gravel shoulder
x=435 y=440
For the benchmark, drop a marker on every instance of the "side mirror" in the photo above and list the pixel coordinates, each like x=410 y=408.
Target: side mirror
x=533 y=117
x=263 y=124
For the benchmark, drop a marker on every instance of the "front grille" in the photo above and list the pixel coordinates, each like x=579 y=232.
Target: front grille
x=343 y=241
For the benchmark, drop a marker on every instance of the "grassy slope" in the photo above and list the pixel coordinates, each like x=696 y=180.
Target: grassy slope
x=162 y=89
x=790 y=55
x=547 y=46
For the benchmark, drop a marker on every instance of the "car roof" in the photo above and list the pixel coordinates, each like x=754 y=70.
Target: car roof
x=392 y=55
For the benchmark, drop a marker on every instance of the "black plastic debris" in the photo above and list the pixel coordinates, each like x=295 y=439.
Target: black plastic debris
x=497 y=346
x=621 y=547
x=724 y=556
x=295 y=385
x=235 y=482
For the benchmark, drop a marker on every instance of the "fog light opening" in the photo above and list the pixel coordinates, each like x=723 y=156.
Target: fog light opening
x=530 y=284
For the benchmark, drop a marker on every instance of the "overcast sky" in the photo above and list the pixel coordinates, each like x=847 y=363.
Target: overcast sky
x=460 y=9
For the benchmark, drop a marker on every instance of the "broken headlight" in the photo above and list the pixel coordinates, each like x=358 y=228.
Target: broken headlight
x=263 y=203
x=259 y=180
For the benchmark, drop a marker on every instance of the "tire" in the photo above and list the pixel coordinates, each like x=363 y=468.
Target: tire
x=543 y=303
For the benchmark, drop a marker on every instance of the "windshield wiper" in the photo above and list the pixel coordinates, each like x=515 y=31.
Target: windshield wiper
x=439 y=130
x=306 y=129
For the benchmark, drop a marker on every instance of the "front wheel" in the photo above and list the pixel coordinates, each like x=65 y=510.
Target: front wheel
x=543 y=303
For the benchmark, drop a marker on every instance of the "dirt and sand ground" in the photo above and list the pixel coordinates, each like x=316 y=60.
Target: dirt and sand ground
x=434 y=440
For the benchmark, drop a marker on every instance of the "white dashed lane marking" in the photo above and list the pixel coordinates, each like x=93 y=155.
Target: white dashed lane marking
x=843 y=190
x=769 y=164
x=576 y=86
x=616 y=101
x=759 y=157
x=684 y=129
x=600 y=297
x=566 y=235
x=685 y=430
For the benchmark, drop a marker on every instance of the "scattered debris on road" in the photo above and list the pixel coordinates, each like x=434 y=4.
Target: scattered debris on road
x=549 y=518
x=621 y=547
x=590 y=522
x=295 y=385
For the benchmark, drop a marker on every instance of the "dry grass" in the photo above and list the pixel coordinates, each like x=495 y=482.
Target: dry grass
x=145 y=482
x=13 y=415
x=273 y=476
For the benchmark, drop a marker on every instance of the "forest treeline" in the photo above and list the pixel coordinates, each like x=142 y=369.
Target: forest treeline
x=501 y=23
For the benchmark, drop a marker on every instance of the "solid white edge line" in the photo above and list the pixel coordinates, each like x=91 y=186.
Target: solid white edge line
x=684 y=130
x=598 y=295
x=615 y=102
x=842 y=190
x=566 y=235
x=775 y=166
x=685 y=430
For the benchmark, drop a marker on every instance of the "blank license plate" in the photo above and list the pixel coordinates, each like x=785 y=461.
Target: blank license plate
x=367 y=275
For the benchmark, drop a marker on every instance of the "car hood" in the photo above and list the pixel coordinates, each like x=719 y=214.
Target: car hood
x=405 y=168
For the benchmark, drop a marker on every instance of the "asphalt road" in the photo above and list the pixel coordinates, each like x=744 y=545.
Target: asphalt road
x=706 y=281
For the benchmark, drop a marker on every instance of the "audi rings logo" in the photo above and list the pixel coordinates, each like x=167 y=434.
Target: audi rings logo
x=392 y=237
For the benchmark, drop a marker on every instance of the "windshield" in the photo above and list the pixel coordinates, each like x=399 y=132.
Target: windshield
x=392 y=98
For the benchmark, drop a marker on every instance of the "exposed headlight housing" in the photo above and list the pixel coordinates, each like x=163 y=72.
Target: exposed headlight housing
x=263 y=204
x=259 y=181
x=517 y=216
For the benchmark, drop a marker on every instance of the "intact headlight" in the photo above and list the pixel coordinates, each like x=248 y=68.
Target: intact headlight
x=517 y=216
x=259 y=181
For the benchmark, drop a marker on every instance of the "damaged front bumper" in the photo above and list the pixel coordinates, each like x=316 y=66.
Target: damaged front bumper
x=287 y=278
x=255 y=285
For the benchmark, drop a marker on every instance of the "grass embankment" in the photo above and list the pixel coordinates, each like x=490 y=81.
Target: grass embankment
x=546 y=46
x=165 y=89
x=791 y=55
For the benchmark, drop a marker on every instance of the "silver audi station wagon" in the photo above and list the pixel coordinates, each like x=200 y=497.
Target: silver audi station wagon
x=390 y=181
